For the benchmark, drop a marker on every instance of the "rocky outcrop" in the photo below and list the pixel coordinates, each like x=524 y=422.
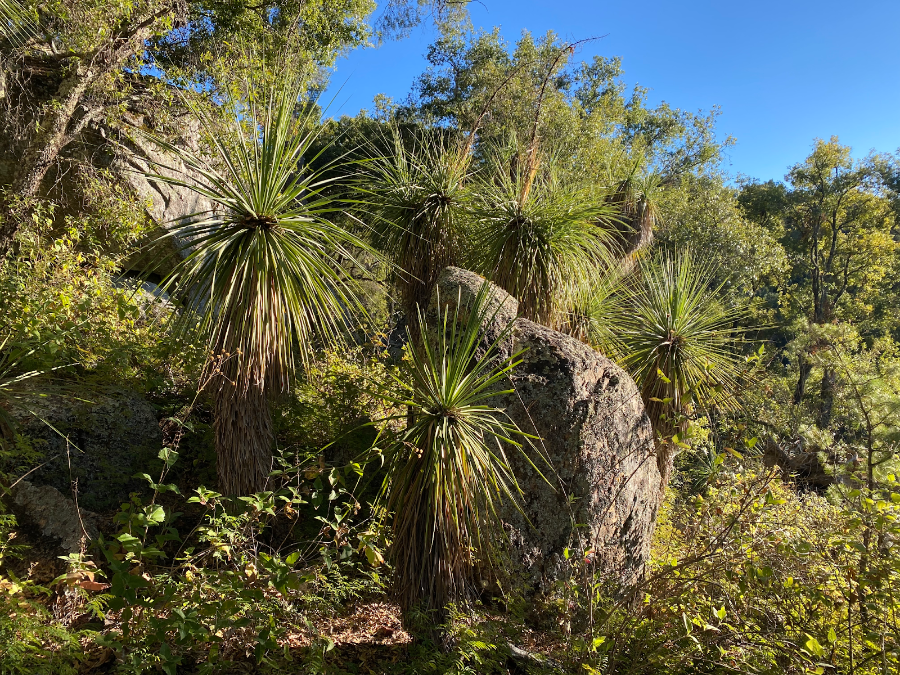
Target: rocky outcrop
x=97 y=445
x=601 y=492
x=127 y=157
x=167 y=203
x=54 y=515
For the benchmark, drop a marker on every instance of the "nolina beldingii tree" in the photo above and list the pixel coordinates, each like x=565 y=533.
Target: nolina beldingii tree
x=678 y=342
x=416 y=199
x=538 y=237
x=263 y=276
x=447 y=471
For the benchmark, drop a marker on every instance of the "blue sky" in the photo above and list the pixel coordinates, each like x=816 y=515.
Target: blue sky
x=783 y=72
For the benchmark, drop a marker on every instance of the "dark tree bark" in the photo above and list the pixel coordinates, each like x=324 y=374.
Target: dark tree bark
x=244 y=438
x=829 y=385
x=805 y=370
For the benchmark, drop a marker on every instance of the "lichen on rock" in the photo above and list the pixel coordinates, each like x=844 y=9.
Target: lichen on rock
x=54 y=515
x=97 y=445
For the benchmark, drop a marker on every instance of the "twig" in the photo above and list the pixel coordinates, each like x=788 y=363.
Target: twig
x=31 y=471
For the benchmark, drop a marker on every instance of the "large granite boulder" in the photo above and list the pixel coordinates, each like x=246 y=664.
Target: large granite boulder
x=602 y=489
x=97 y=445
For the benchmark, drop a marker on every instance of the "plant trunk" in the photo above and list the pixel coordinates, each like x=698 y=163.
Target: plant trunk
x=244 y=438
x=67 y=113
x=48 y=139
x=829 y=384
x=665 y=462
x=805 y=369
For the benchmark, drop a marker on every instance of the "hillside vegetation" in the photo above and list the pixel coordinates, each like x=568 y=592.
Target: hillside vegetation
x=329 y=485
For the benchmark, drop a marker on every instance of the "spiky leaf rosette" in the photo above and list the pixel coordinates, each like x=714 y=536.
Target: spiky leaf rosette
x=594 y=316
x=635 y=198
x=264 y=272
x=415 y=198
x=264 y=277
x=448 y=472
x=540 y=238
x=679 y=340
x=17 y=23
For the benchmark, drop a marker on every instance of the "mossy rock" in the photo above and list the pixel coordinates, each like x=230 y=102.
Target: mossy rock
x=95 y=442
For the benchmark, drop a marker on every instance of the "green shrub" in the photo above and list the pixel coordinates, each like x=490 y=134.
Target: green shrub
x=30 y=641
x=753 y=577
x=230 y=589
x=67 y=305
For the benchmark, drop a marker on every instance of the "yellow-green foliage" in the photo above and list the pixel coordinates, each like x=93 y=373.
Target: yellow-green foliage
x=64 y=298
x=752 y=577
x=334 y=398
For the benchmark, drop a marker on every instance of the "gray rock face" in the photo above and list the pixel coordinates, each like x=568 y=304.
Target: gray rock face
x=111 y=438
x=595 y=434
x=54 y=515
x=167 y=204
x=127 y=159
x=458 y=289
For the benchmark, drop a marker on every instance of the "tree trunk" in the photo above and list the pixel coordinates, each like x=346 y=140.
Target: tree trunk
x=60 y=123
x=665 y=462
x=805 y=369
x=244 y=439
x=43 y=148
x=829 y=384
